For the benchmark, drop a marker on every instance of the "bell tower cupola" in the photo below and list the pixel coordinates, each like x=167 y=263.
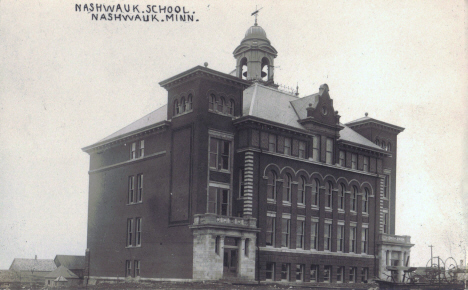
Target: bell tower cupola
x=255 y=56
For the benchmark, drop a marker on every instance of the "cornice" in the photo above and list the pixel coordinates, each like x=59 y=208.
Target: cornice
x=376 y=124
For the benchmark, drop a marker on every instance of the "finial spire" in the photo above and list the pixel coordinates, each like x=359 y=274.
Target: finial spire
x=256 y=13
x=297 y=89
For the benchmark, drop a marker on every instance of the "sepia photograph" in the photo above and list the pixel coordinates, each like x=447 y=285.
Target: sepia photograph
x=233 y=144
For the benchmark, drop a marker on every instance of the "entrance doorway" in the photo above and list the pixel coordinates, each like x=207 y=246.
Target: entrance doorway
x=230 y=262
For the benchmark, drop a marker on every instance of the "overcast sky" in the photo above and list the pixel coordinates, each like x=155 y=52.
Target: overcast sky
x=67 y=81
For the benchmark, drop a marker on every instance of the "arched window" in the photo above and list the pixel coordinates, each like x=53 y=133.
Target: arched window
x=271 y=191
x=265 y=74
x=365 y=198
x=243 y=69
x=288 y=187
x=301 y=191
x=354 y=198
x=384 y=146
x=231 y=107
x=212 y=102
x=341 y=196
x=329 y=194
x=389 y=146
x=377 y=142
x=315 y=192
x=182 y=105
x=221 y=104
x=176 y=107
x=189 y=102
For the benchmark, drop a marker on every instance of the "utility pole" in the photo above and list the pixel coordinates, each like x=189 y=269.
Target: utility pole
x=431 y=246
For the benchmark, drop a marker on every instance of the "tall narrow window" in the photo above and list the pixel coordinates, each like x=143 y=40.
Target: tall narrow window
x=329 y=151
x=176 y=108
x=137 y=268
x=212 y=192
x=315 y=192
x=221 y=104
x=285 y=268
x=342 y=158
x=364 y=275
x=352 y=239
x=301 y=191
x=365 y=198
x=272 y=143
x=385 y=223
x=133 y=151
x=314 y=236
x=128 y=268
x=231 y=108
x=189 y=102
x=183 y=105
x=384 y=146
x=326 y=273
x=329 y=194
x=300 y=234
x=241 y=182
x=352 y=275
x=315 y=148
x=377 y=142
x=271 y=190
x=140 y=188
x=142 y=148
x=313 y=273
x=300 y=273
x=341 y=196
x=389 y=146
x=340 y=238
x=286 y=232
x=219 y=154
x=302 y=149
x=224 y=201
x=364 y=236
x=270 y=271
x=287 y=146
x=365 y=163
x=327 y=237
x=354 y=198
x=138 y=232
x=270 y=231
x=129 y=232
x=131 y=189
x=340 y=274
x=288 y=188
x=386 y=186
x=353 y=161
x=212 y=102
x=218 y=201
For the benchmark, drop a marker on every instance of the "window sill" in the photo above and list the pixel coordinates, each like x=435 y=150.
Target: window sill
x=286 y=203
x=365 y=214
x=134 y=203
x=272 y=201
x=183 y=113
x=341 y=210
x=315 y=207
x=353 y=212
x=220 y=113
x=300 y=205
x=220 y=170
x=328 y=209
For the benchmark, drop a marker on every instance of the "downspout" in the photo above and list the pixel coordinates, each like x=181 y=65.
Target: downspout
x=258 y=215
x=375 y=231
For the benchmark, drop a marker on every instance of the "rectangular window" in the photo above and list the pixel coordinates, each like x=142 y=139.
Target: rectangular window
x=313 y=273
x=142 y=148
x=364 y=235
x=128 y=268
x=327 y=237
x=385 y=223
x=129 y=232
x=342 y=158
x=386 y=186
x=352 y=275
x=366 y=164
x=270 y=231
x=352 y=239
x=340 y=238
x=353 y=161
x=314 y=236
x=300 y=235
x=315 y=148
x=218 y=200
x=133 y=151
x=272 y=143
x=140 y=187
x=326 y=273
x=270 y=271
x=138 y=232
x=341 y=196
x=285 y=232
x=329 y=151
x=212 y=192
x=219 y=154
x=285 y=272
x=302 y=149
x=137 y=268
x=339 y=274
x=300 y=273
x=364 y=275
x=131 y=189
x=287 y=146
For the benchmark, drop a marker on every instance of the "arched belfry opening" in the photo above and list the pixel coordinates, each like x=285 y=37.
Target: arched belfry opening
x=255 y=56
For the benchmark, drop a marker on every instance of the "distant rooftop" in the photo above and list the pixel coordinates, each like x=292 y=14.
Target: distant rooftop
x=40 y=265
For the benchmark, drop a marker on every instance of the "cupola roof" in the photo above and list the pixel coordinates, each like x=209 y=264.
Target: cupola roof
x=256 y=32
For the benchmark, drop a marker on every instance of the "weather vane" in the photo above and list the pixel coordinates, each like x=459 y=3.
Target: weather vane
x=256 y=13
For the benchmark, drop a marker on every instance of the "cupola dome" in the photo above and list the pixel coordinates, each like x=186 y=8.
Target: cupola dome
x=256 y=32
